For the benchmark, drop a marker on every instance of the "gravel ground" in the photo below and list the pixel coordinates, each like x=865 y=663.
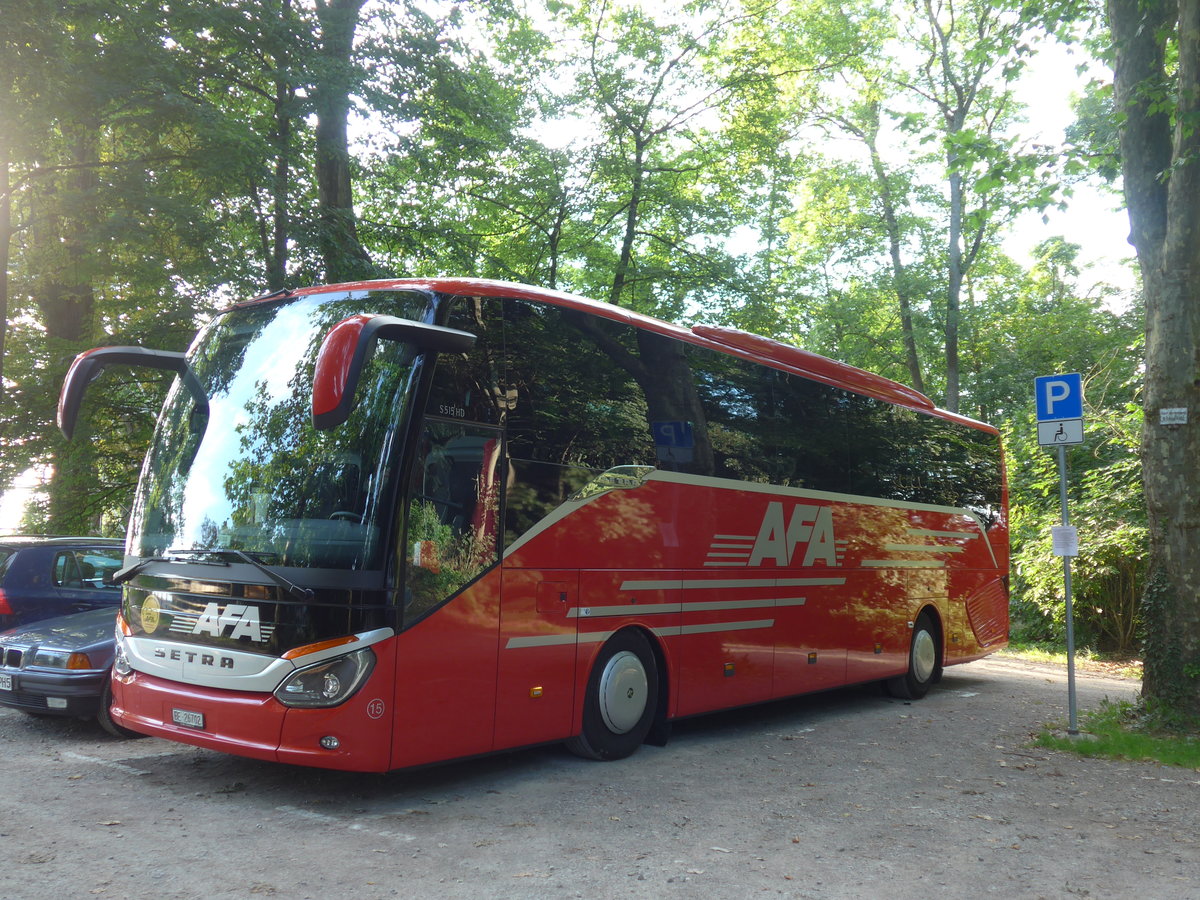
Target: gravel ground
x=847 y=794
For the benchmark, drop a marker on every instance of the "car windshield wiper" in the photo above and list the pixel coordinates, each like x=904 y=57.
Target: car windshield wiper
x=196 y=556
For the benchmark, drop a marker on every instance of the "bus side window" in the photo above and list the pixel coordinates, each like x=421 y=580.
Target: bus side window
x=575 y=410
x=453 y=509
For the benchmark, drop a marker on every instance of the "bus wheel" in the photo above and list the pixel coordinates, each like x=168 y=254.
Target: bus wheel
x=106 y=720
x=923 y=662
x=622 y=696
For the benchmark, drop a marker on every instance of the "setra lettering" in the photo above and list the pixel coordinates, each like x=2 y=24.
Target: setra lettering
x=193 y=657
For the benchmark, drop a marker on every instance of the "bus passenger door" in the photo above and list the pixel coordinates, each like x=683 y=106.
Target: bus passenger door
x=536 y=667
x=446 y=667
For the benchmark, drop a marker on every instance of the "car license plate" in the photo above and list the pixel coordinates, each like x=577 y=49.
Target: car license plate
x=187 y=718
x=5 y=682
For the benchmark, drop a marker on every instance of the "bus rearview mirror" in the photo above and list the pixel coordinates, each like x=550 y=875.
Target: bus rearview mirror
x=87 y=367
x=347 y=347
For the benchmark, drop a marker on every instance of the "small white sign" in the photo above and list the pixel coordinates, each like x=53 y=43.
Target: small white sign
x=1066 y=540
x=1060 y=433
x=1175 y=415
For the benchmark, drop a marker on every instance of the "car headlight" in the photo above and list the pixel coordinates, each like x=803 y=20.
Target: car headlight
x=327 y=683
x=60 y=659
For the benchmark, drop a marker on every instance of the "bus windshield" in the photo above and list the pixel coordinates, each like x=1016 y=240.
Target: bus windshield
x=251 y=473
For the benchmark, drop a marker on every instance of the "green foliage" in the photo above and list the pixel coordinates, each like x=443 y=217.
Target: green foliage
x=1096 y=131
x=1170 y=668
x=1123 y=730
x=1104 y=488
x=689 y=160
x=1086 y=658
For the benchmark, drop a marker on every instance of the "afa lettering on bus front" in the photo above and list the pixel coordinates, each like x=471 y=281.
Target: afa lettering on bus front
x=779 y=536
x=234 y=621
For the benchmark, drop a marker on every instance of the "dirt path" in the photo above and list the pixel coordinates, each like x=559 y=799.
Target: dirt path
x=842 y=795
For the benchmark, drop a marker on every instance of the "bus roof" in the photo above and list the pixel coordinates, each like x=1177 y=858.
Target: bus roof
x=733 y=341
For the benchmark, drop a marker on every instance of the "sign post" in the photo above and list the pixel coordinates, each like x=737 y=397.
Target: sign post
x=1060 y=424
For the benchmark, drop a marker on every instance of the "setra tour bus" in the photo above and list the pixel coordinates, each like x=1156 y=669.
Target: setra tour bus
x=390 y=523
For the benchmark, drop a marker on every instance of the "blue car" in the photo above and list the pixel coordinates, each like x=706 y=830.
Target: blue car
x=45 y=577
x=61 y=667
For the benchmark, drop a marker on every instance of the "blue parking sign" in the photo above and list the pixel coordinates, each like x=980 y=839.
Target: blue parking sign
x=674 y=434
x=1059 y=397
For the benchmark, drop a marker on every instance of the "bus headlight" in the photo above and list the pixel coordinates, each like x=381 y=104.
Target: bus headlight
x=120 y=661
x=327 y=683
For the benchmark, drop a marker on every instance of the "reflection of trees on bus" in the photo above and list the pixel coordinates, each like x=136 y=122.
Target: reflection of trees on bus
x=273 y=484
x=569 y=413
x=579 y=395
x=664 y=378
x=452 y=511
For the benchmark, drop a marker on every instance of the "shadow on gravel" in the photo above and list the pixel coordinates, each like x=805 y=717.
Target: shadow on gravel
x=198 y=772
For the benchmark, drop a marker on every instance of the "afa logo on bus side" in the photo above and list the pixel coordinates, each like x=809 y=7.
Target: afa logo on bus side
x=809 y=525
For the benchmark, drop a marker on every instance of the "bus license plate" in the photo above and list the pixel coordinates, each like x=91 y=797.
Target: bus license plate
x=5 y=682
x=187 y=718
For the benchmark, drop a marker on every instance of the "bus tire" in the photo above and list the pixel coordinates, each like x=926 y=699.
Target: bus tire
x=924 y=662
x=621 y=700
x=106 y=720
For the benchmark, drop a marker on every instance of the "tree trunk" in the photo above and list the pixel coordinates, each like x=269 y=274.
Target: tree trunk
x=6 y=235
x=9 y=116
x=66 y=301
x=900 y=276
x=554 y=238
x=285 y=97
x=344 y=256
x=1162 y=184
x=954 y=280
x=625 y=259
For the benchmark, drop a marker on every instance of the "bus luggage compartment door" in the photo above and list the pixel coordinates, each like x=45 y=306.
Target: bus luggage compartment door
x=536 y=672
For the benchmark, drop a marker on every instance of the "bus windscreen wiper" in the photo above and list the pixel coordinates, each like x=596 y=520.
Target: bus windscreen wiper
x=301 y=593
x=194 y=556
x=122 y=575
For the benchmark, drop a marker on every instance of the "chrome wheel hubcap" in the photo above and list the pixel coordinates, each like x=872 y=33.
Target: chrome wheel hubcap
x=924 y=656
x=624 y=690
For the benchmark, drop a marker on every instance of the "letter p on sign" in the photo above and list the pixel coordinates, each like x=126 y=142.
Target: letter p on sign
x=1059 y=397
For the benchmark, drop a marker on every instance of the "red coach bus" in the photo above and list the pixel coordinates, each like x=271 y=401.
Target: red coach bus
x=390 y=523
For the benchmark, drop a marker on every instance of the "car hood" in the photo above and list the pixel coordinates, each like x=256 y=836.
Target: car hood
x=71 y=632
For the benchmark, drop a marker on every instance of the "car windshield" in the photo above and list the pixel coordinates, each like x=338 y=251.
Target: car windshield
x=251 y=473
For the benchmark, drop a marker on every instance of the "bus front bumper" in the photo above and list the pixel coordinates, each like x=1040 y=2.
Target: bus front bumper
x=255 y=725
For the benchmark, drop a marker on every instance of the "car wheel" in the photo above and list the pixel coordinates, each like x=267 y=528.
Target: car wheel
x=622 y=697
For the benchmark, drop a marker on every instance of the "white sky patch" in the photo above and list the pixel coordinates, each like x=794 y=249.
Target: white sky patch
x=13 y=501
x=1095 y=217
